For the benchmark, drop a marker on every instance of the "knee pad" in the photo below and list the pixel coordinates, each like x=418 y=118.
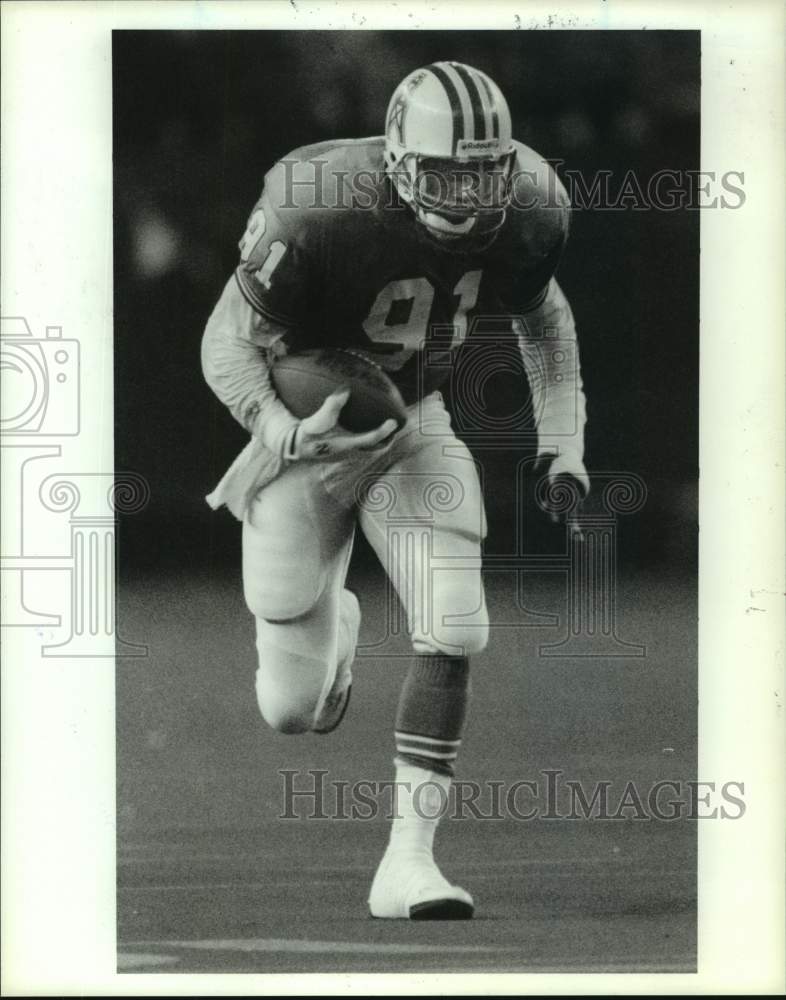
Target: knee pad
x=457 y=623
x=285 y=717
x=283 y=713
x=291 y=676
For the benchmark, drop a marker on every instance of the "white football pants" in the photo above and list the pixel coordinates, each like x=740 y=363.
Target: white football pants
x=418 y=502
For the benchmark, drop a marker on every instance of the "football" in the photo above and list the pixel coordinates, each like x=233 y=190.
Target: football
x=305 y=379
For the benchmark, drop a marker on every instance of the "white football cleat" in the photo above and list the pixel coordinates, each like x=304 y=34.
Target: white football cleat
x=337 y=701
x=409 y=886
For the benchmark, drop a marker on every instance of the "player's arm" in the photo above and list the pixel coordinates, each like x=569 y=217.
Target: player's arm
x=236 y=346
x=550 y=352
x=545 y=327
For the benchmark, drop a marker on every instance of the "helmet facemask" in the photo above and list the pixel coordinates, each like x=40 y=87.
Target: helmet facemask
x=461 y=203
x=457 y=200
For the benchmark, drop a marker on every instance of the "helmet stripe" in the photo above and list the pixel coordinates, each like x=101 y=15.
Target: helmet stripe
x=488 y=109
x=468 y=129
x=475 y=100
x=494 y=115
x=455 y=102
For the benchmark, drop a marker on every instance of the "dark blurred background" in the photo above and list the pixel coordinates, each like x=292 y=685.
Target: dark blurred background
x=200 y=116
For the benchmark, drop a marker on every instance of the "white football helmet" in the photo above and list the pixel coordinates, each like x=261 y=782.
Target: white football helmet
x=449 y=152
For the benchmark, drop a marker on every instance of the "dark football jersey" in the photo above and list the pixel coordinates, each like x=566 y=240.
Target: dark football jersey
x=332 y=254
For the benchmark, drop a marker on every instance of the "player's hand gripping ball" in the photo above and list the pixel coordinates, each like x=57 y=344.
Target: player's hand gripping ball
x=344 y=400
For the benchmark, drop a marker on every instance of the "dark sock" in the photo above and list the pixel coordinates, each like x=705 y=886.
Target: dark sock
x=431 y=712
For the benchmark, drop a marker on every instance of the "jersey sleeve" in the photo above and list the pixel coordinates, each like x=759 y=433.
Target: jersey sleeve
x=235 y=348
x=550 y=353
x=276 y=272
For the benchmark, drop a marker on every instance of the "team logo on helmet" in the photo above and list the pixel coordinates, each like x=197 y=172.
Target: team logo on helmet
x=396 y=118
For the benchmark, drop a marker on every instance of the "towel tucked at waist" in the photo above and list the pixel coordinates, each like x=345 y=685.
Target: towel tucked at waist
x=257 y=465
x=254 y=467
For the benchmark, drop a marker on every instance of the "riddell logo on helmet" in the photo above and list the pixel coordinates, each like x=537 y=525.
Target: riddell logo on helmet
x=477 y=146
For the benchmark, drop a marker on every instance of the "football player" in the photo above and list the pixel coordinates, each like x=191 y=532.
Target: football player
x=390 y=246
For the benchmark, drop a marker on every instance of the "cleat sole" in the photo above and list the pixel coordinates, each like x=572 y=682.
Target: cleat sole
x=442 y=909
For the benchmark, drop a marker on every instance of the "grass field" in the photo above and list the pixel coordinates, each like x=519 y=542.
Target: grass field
x=211 y=879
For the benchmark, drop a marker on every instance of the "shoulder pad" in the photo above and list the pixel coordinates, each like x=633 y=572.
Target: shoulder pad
x=316 y=177
x=539 y=200
x=535 y=178
x=291 y=191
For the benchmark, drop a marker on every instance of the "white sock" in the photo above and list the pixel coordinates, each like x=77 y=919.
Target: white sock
x=421 y=799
